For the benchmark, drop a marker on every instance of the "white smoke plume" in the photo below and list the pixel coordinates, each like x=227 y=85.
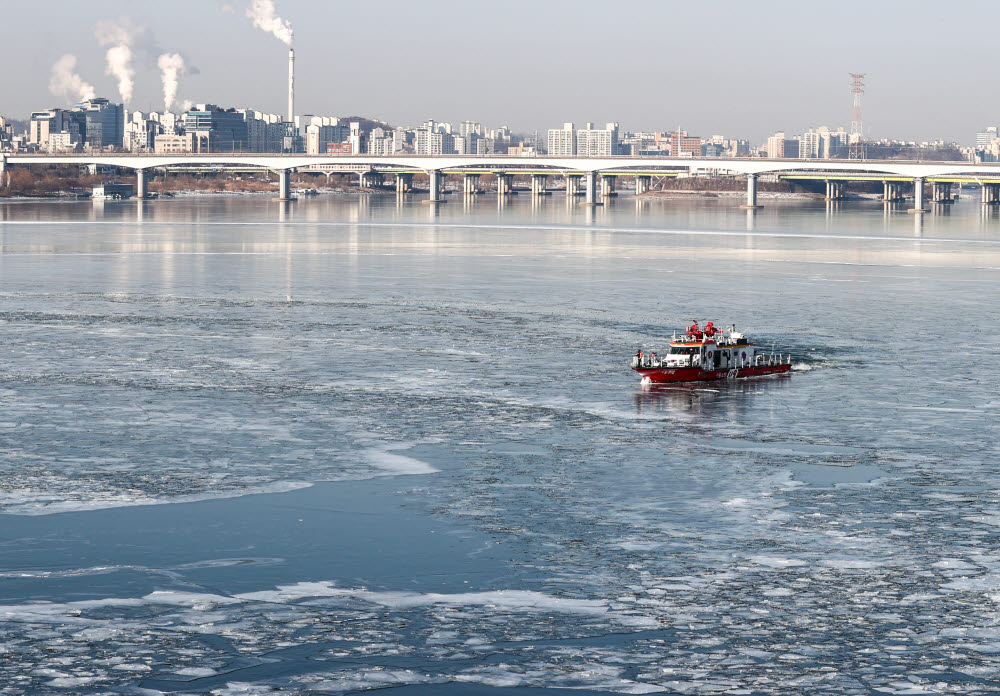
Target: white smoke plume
x=186 y=105
x=171 y=68
x=119 y=35
x=263 y=15
x=65 y=82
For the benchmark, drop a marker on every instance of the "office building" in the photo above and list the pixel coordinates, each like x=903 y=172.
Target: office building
x=684 y=145
x=225 y=129
x=105 y=123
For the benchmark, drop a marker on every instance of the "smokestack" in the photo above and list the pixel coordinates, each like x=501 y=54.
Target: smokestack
x=291 y=85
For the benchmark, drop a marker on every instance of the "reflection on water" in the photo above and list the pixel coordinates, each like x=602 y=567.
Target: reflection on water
x=718 y=399
x=806 y=230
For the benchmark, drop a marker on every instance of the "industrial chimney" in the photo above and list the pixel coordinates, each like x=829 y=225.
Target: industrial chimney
x=291 y=85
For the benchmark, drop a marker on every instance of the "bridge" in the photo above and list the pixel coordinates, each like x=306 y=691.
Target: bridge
x=580 y=172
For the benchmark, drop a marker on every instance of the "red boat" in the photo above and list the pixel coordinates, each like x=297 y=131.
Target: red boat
x=708 y=354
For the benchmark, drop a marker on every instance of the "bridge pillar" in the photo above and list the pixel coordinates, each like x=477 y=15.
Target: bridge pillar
x=991 y=194
x=751 y=193
x=505 y=184
x=889 y=191
x=835 y=190
x=608 y=186
x=538 y=183
x=918 y=196
x=435 y=186
x=140 y=183
x=941 y=192
x=404 y=183
x=3 y=165
x=470 y=184
x=284 y=184
x=642 y=184
x=591 y=191
x=572 y=184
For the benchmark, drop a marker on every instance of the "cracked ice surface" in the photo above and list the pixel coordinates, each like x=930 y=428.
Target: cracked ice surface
x=834 y=532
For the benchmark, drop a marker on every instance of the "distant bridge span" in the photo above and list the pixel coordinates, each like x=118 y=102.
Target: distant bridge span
x=586 y=167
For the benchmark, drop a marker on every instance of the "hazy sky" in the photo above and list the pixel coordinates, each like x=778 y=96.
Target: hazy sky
x=738 y=68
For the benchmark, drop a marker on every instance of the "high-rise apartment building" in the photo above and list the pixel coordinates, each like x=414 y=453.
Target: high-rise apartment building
x=597 y=142
x=776 y=146
x=809 y=144
x=468 y=127
x=985 y=137
x=562 y=141
x=433 y=142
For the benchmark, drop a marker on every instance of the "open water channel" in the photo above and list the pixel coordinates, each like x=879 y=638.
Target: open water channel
x=353 y=443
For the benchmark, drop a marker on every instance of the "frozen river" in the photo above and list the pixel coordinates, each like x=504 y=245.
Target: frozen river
x=349 y=443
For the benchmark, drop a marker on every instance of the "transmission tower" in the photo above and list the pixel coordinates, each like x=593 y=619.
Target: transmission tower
x=857 y=140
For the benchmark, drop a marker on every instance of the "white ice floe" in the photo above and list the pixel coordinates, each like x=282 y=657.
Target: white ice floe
x=777 y=562
x=194 y=600
x=71 y=682
x=47 y=612
x=501 y=600
x=392 y=464
x=195 y=672
x=28 y=503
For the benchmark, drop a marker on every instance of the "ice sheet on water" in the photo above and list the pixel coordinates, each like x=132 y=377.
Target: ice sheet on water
x=397 y=464
x=499 y=600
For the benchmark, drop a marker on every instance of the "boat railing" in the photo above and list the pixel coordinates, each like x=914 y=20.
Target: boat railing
x=673 y=361
x=758 y=360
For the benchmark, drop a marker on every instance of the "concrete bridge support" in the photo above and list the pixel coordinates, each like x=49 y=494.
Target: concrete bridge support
x=991 y=194
x=435 y=186
x=751 y=193
x=642 y=184
x=941 y=192
x=538 y=183
x=140 y=184
x=573 y=184
x=835 y=190
x=505 y=184
x=404 y=183
x=591 y=190
x=470 y=184
x=892 y=191
x=284 y=184
x=918 y=196
x=370 y=179
x=608 y=186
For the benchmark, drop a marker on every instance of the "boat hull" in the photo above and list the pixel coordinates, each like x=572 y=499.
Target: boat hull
x=661 y=375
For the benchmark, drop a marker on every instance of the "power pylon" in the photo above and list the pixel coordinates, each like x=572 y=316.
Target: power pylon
x=857 y=139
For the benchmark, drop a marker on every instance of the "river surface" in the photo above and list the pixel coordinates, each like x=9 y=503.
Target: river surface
x=352 y=443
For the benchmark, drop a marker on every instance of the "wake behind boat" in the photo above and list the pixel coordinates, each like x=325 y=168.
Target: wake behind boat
x=709 y=354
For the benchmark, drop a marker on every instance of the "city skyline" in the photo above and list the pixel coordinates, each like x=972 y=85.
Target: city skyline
x=646 y=75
